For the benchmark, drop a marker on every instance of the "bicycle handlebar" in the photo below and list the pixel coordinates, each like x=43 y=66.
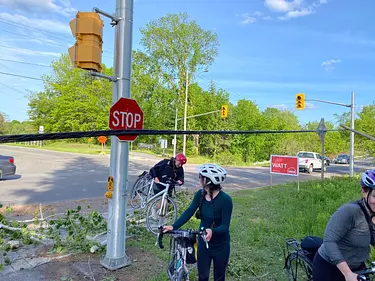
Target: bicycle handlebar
x=168 y=183
x=178 y=233
x=363 y=273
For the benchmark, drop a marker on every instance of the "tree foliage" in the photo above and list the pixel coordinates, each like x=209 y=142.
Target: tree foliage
x=174 y=46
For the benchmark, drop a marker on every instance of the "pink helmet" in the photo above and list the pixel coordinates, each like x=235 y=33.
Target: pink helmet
x=181 y=157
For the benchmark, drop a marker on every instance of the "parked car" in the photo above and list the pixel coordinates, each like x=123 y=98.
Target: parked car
x=7 y=166
x=342 y=159
x=308 y=161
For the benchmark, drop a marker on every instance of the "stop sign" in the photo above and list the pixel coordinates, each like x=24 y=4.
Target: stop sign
x=126 y=114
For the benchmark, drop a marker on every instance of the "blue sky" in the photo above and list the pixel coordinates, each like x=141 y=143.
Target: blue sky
x=269 y=49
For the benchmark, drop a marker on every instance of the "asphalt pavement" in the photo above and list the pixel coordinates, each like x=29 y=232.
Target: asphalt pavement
x=45 y=176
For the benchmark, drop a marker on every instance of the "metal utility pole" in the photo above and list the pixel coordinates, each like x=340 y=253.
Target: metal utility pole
x=351 y=105
x=351 y=163
x=322 y=133
x=116 y=257
x=185 y=112
x=175 y=136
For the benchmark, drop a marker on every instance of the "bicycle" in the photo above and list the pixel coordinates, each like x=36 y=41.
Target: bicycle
x=303 y=254
x=184 y=251
x=143 y=191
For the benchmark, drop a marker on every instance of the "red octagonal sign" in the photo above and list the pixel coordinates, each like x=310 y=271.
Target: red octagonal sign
x=126 y=114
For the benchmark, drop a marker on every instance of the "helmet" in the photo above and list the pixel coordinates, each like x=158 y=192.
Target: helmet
x=214 y=172
x=181 y=157
x=368 y=179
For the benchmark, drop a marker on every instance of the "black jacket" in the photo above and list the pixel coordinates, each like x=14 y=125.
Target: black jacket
x=165 y=170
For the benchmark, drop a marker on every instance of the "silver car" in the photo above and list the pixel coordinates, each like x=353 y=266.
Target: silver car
x=7 y=167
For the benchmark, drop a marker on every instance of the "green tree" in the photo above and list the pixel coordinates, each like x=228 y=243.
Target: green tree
x=179 y=48
x=72 y=100
x=365 y=123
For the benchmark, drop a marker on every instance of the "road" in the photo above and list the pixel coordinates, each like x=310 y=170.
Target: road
x=45 y=176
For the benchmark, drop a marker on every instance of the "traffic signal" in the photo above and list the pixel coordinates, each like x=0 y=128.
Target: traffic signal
x=224 y=111
x=300 y=101
x=86 y=53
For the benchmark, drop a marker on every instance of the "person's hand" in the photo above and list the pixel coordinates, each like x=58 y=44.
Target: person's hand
x=208 y=234
x=351 y=277
x=156 y=180
x=167 y=228
x=179 y=182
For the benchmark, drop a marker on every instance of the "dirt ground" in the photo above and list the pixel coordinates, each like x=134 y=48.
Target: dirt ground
x=87 y=267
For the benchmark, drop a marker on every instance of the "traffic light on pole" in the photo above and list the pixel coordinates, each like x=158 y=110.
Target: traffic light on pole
x=300 y=101
x=224 y=111
x=87 y=28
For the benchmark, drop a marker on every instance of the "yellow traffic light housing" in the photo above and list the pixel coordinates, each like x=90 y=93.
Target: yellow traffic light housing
x=86 y=53
x=300 y=101
x=224 y=111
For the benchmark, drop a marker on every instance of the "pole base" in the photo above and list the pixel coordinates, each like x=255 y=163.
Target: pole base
x=115 y=263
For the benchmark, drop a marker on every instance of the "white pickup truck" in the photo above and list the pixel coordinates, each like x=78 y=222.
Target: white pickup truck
x=309 y=161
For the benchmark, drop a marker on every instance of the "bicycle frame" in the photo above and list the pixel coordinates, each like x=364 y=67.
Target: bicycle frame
x=180 y=253
x=163 y=194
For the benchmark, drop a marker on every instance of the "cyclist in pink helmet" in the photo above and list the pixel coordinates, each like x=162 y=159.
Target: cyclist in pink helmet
x=347 y=237
x=168 y=169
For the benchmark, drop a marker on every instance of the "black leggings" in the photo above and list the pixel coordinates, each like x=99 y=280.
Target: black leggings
x=325 y=271
x=220 y=258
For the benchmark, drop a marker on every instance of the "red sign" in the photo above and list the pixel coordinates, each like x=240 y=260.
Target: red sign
x=286 y=165
x=126 y=114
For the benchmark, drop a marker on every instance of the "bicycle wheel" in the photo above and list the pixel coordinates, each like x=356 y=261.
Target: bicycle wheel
x=182 y=275
x=139 y=192
x=153 y=217
x=298 y=267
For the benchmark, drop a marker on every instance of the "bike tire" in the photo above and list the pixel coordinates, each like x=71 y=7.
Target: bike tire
x=292 y=271
x=137 y=185
x=171 y=202
x=182 y=275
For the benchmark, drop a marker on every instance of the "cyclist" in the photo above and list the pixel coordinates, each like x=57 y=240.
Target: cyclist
x=347 y=237
x=215 y=212
x=168 y=169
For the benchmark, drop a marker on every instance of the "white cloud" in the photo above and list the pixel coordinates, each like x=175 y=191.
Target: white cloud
x=293 y=9
x=282 y=5
x=328 y=65
x=246 y=19
x=45 y=24
x=278 y=106
x=40 y=6
x=311 y=105
x=283 y=106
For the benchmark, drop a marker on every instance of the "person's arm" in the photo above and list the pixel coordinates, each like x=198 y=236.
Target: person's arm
x=338 y=226
x=226 y=215
x=189 y=212
x=180 y=175
x=154 y=171
x=346 y=271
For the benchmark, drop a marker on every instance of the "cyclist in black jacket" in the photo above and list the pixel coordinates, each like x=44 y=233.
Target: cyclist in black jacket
x=168 y=169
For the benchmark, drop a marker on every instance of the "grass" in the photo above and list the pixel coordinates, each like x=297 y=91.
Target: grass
x=263 y=218
x=86 y=148
x=68 y=147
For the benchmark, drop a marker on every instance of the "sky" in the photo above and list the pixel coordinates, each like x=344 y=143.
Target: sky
x=270 y=50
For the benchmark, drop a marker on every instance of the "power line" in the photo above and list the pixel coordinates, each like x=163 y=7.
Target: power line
x=17 y=97
x=42 y=40
x=24 y=62
x=11 y=87
x=47 y=41
x=76 y=135
x=16 y=75
x=20 y=25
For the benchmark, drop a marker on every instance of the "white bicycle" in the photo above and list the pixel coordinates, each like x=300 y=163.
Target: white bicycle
x=162 y=209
